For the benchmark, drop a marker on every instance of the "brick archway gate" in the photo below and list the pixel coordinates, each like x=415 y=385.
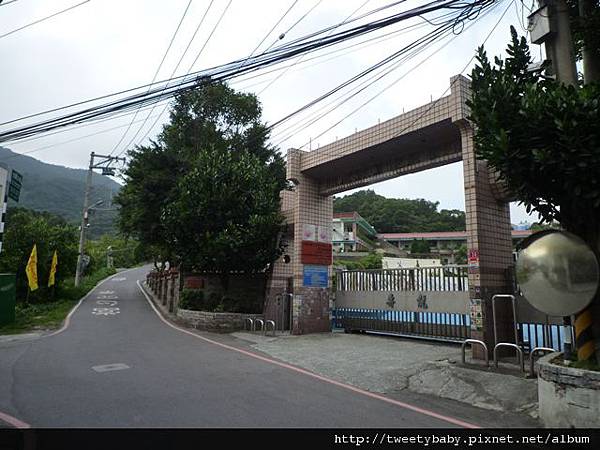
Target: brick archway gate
x=430 y=136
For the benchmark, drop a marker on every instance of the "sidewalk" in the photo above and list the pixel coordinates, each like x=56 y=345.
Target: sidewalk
x=414 y=370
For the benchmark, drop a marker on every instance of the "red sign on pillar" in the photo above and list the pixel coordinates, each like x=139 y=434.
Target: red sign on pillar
x=318 y=253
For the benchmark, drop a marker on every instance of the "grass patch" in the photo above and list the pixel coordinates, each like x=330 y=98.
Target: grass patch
x=586 y=365
x=48 y=315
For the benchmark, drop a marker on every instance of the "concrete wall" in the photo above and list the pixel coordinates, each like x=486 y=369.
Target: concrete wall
x=568 y=397
x=437 y=302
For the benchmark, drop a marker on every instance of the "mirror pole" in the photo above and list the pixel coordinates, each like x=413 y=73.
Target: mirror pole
x=568 y=344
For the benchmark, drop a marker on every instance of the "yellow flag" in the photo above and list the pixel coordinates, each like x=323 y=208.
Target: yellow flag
x=31 y=269
x=53 y=269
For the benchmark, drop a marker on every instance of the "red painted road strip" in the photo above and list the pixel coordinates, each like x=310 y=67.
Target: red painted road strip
x=426 y=412
x=13 y=421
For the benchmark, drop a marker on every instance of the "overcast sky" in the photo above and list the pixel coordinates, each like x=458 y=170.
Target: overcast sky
x=105 y=46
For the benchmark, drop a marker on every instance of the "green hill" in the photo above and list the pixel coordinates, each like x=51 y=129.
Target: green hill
x=400 y=215
x=59 y=190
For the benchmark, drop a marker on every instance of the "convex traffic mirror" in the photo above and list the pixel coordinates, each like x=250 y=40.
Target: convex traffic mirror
x=557 y=272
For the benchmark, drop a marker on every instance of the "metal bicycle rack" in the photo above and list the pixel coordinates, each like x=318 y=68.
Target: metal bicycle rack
x=251 y=322
x=511 y=345
x=507 y=344
x=532 y=354
x=257 y=322
x=267 y=323
x=472 y=342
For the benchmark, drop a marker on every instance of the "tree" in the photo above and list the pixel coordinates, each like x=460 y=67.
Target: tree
x=224 y=215
x=585 y=27
x=150 y=178
x=49 y=232
x=372 y=261
x=460 y=256
x=125 y=252
x=207 y=191
x=419 y=246
x=396 y=215
x=542 y=138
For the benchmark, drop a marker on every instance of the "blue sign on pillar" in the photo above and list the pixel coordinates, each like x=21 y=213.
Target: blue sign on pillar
x=316 y=276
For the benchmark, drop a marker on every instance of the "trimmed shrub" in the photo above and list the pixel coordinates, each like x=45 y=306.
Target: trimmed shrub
x=192 y=299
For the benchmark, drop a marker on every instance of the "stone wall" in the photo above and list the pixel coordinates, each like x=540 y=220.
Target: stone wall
x=163 y=288
x=568 y=397
x=216 y=322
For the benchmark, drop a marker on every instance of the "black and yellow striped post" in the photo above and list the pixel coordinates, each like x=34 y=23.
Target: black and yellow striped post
x=584 y=338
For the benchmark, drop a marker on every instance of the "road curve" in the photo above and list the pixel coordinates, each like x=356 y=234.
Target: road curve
x=118 y=364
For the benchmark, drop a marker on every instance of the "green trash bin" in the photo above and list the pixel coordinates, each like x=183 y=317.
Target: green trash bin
x=7 y=298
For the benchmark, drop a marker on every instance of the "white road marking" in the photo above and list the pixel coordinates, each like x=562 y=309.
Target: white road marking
x=110 y=367
x=106 y=292
x=107 y=297
x=119 y=279
x=105 y=311
x=107 y=302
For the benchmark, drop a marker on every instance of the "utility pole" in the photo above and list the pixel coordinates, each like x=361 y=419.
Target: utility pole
x=591 y=56
x=104 y=164
x=551 y=26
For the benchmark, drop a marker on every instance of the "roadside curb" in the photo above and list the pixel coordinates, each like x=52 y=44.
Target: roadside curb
x=297 y=369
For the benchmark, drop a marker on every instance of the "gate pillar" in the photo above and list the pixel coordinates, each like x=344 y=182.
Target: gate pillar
x=312 y=215
x=489 y=248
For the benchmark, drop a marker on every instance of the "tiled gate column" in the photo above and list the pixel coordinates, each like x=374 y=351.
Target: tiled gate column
x=310 y=304
x=489 y=247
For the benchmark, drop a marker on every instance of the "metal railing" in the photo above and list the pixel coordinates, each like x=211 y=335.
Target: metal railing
x=544 y=335
x=445 y=278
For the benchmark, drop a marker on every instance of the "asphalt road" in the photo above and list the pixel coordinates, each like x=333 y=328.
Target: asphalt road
x=126 y=367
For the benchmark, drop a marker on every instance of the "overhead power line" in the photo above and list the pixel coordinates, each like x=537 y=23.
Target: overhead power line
x=187 y=72
x=7 y=3
x=183 y=79
x=273 y=28
x=464 y=10
x=43 y=19
x=83 y=125
x=302 y=56
x=171 y=76
x=45 y=147
x=389 y=86
x=155 y=73
x=210 y=35
x=432 y=105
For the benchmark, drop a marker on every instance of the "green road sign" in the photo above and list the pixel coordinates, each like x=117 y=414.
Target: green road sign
x=14 y=187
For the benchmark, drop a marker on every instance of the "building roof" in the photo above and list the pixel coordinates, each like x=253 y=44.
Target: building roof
x=443 y=235
x=346 y=215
